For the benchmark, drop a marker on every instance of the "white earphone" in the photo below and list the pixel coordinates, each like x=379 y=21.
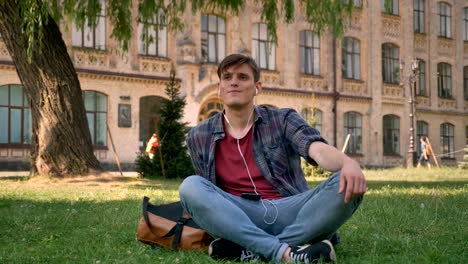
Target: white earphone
x=256 y=91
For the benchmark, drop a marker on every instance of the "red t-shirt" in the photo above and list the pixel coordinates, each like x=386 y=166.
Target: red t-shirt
x=231 y=173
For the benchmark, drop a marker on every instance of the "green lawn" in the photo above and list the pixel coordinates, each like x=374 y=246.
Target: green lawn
x=408 y=216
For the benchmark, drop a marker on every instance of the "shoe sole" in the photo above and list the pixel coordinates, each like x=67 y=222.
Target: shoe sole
x=332 y=251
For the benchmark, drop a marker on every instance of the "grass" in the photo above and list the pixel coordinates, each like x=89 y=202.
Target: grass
x=408 y=216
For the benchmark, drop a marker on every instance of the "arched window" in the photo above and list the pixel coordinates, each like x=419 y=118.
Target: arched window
x=96 y=112
x=152 y=36
x=213 y=38
x=444 y=80
x=15 y=115
x=91 y=37
x=309 y=52
x=447 y=138
x=422 y=130
x=391 y=135
x=263 y=50
x=210 y=108
x=390 y=63
x=421 y=84
x=351 y=58
x=353 y=127
x=445 y=19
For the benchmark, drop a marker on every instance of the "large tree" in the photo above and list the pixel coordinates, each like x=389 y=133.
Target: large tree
x=61 y=142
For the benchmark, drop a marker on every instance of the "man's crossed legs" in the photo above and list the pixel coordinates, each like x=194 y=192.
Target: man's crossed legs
x=307 y=217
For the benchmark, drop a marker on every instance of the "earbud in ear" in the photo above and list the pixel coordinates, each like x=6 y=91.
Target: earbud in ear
x=256 y=91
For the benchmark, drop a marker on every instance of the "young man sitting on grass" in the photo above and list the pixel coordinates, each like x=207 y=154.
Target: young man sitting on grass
x=250 y=191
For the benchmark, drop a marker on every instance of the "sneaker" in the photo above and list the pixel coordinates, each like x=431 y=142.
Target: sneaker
x=313 y=253
x=227 y=250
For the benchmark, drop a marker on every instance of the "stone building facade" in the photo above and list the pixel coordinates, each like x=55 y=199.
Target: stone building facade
x=359 y=84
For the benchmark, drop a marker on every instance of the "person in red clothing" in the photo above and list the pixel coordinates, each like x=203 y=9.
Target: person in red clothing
x=249 y=190
x=153 y=143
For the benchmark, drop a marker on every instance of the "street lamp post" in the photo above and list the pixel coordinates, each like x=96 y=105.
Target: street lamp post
x=411 y=155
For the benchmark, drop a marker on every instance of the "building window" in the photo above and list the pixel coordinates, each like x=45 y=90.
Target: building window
x=15 y=115
x=390 y=63
x=421 y=84
x=353 y=127
x=418 y=16
x=445 y=17
x=309 y=52
x=422 y=130
x=96 y=112
x=263 y=50
x=209 y=109
x=351 y=59
x=447 y=140
x=356 y=3
x=152 y=36
x=391 y=135
x=390 y=7
x=444 y=80
x=93 y=37
x=213 y=38
x=465 y=83
x=465 y=24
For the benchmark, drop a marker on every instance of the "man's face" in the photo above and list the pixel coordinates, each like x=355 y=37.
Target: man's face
x=237 y=86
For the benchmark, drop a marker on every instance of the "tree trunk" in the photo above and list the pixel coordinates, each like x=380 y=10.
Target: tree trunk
x=61 y=141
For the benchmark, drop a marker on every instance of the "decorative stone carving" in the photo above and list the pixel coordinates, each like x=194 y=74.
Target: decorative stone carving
x=270 y=79
x=447 y=104
x=354 y=21
x=391 y=25
x=313 y=84
x=392 y=90
x=90 y=58
x=4 y=50
x=420 y=41
x=465 y=49
x=422 y=101
x=351 y=87
x=445 y=46
x=155 y=65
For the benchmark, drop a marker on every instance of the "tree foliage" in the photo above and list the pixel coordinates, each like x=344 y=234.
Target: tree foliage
x=320 y=14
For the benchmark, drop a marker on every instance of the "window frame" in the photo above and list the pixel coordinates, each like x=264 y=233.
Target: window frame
x=354 y=128
x=314 y=52
x=394 y=148
x=465 y=24
x=419 y=20
x=394 y=7
x=92 y=30
x=445 y=20
x=94 y=129
x=390 y=63
x=355 y=58
x=24 y=108
x=447 y=141
x=444 y=80
x=157 y=27
x=356 y=3
x=217 y=34
x=465 y=83
x=421 y=84
x=269 y=47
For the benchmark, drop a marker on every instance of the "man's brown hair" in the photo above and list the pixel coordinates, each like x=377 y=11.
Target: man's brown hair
x=237 y=60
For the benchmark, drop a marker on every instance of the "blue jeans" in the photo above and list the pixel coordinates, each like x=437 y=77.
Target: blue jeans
x=310 y=216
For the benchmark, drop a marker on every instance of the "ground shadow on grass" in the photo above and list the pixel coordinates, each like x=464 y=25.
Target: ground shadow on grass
x=372 y=184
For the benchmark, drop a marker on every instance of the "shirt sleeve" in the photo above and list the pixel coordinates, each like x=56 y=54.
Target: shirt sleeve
x=195 y=153
x=301 y=135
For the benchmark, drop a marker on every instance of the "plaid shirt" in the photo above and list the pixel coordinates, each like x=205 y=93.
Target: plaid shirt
x=281 y=137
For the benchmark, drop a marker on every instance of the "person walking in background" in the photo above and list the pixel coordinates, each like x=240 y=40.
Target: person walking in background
x=425 y=153
x=153 y=143
x=250 y=192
